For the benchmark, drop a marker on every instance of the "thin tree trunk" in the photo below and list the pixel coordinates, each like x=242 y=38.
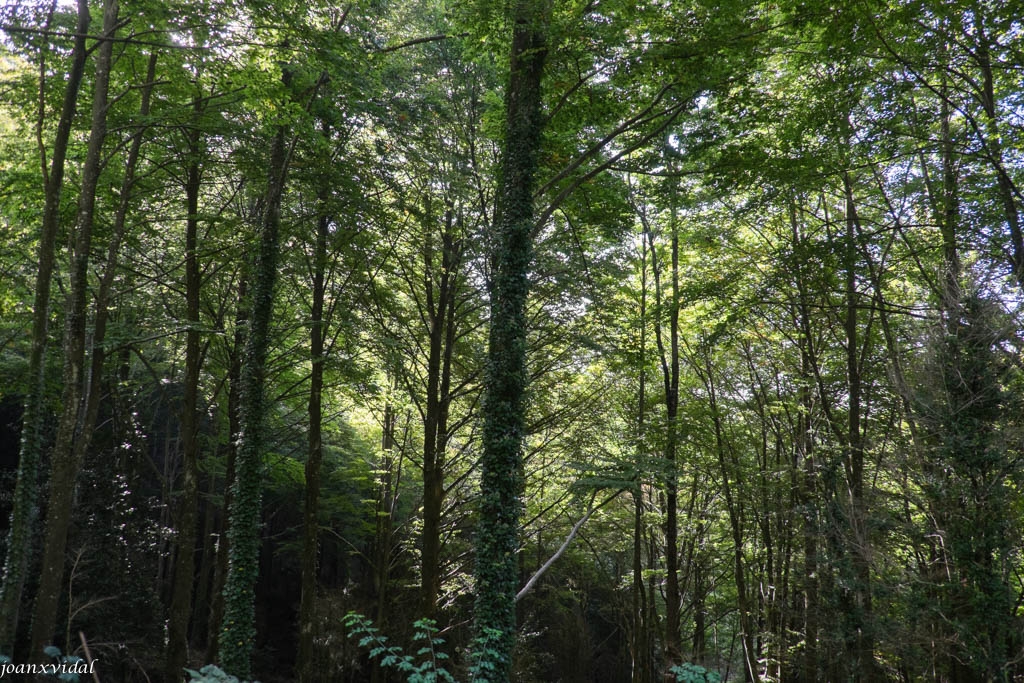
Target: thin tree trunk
x=234 y=430
x=185 y=541
x=438 y=403
x=310 y=519
x=670 y=377
x=433 y=476
x=19 y=539
x=804 y=462
x=641 y=660
x=863 y=656
x=672 y=593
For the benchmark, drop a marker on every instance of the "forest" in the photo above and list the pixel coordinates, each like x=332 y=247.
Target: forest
x=534 y=340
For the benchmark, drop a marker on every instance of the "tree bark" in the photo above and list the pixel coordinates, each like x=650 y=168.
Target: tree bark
x=314 y=457
x=863 y=654
x=503 y=432
x=238 y=628
x=185 y=541
x=442 y=319
x=234 y=430
x=804 y=464
x=19 y=539
x=71 y=435
x=641 y=650
x=670 y=380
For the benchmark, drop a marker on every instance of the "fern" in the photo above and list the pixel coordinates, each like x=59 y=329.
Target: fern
x=426 y=666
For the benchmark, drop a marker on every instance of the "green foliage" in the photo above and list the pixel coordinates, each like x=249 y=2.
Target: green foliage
x=971 y=405
x=54 y=653
x=693 y=673
x=426 y=666
x=212 y=674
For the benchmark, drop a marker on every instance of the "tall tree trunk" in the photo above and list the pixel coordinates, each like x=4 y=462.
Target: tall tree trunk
x=234 y=430
x=730 y=471
x=71 y=436
x=804 y=463
x=314 y=456
x=863 y=657
x=503 y=432
x=672 y=593
x=185 y=541
x=670 y=379
x=641 y=660
x=238 y=628
x=19 y=539
x=441 y=315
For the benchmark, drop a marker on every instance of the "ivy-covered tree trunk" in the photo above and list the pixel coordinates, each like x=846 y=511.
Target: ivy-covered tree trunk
x=19 y=539
x=220 y=570
x=72 y=437
x=185 y=541
x=504 y=406
x=238 y=627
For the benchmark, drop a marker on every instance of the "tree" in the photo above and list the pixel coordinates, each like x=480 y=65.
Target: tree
x=238 y=630
x=74 y=429
x=19 y=543
x=501 y=475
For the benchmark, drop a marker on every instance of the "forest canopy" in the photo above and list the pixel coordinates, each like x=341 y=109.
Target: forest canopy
x=538 y=340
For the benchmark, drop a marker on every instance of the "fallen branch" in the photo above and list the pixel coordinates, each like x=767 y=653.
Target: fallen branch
x=565 y=544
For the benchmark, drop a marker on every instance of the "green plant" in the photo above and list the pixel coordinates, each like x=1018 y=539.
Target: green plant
x=427 y=664
x=693 y=673
x=65 y=664
x=212 y=674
